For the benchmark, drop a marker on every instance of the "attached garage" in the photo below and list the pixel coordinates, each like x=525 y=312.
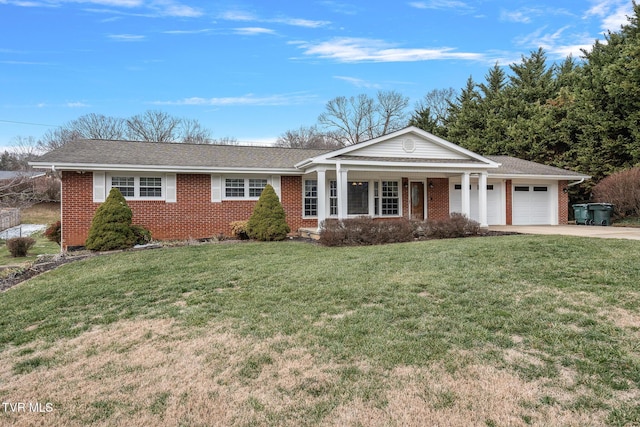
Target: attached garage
x=533 y=204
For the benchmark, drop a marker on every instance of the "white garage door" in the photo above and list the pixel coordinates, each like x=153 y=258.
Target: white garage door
x=494 y=202
x=531 y=204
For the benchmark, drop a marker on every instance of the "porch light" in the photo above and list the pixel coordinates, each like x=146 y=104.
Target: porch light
x=431 y=184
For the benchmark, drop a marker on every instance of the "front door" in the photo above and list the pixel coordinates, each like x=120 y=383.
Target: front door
x=417 y=200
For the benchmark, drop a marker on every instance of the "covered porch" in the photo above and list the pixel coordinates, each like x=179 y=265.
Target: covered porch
x=385 y=193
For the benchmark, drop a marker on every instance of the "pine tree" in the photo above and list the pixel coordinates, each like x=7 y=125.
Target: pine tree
x=111 y=225
x=268 y=221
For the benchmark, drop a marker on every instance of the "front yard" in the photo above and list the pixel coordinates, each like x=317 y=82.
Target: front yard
x=512 y=330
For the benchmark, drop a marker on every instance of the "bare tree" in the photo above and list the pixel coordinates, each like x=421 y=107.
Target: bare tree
x=432 y=110
x=306 y=137
x=153 y=126
x=355 y=119
x=194 y=133
x=225 y=140
x=90 y=126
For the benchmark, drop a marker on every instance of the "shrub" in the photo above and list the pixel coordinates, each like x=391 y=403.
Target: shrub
x=363 y=231
x=457 y=225
x=268 y=220
x=141 y=235
x=239 y=229
x=19 y=246
x=54 y=232
x=111 y=225
x=622 y=189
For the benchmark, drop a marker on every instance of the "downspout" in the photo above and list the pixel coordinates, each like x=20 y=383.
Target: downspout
x=576 y=183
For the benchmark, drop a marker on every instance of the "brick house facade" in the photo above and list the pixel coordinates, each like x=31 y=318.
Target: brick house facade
x=182 y=191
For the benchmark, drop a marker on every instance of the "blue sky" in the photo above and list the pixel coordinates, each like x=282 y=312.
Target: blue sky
x=253 y=69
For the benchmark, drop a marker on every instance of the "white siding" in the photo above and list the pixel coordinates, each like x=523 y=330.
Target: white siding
x=417 y=148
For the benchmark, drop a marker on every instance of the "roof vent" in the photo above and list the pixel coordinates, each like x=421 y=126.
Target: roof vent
x=409 y=145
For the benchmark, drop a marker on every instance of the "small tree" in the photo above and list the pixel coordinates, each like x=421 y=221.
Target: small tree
x=111 y=225
x=268 y=220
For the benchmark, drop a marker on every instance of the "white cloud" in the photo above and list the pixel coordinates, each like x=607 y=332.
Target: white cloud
x=77 y=104
x=202 y=31
x=351 y=50
x=157 y=7
x=238 y=15
x=613 y=13
x=126 y=37
x=358 y=82
x=515 y=16
x=245 y=100
x=557 y=44
x=441 y=4
x=253 y=31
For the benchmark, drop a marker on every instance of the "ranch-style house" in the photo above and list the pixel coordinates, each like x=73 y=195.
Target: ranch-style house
x=182 y=191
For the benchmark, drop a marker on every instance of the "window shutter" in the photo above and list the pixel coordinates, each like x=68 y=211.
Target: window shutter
x=171 y=193
x=275 y=183
x=99 y=187
x=216 y=188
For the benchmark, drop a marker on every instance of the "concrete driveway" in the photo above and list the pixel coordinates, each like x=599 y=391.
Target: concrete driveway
x=573 y=230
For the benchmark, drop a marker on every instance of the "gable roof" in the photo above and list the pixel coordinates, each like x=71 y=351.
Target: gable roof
x=424 y=148
x=106 y=154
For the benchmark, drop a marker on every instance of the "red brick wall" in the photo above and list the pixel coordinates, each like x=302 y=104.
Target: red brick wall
x=193 y=216
x=438 y=198
x=563 y=203
x=507 y=189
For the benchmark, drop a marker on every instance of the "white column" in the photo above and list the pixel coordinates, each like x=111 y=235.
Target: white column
x=342 y=184
x=322 y=197
x=482 y=200
x=466 y=195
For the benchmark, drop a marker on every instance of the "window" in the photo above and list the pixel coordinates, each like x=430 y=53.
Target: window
x=333 y=197
x=390 y=197
x=150 y=187
x=539 y=188
x=311 y=197
x=489 y=187
x=521 y=188
x=138 y=187
x=358 y=198
x=234 y=187
x=126 y=185
x=256 y=186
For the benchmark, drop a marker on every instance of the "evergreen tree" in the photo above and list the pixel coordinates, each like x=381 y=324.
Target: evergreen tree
x=111 y=225
x=268 y=221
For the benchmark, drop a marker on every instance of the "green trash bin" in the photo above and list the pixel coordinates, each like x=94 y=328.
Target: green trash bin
x=601 y=213
x=582 y=214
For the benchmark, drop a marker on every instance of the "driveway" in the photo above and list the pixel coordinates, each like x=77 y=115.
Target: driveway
x=573 y=230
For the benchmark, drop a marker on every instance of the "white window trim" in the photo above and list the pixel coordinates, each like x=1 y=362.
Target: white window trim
x=136 y=186
x=246 y=179
x=371 y=198
x=304 y=184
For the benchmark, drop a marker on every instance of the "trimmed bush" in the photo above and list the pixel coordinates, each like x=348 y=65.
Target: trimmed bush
x=622 y=189
x=239 y=229
x=457 y=225
x=111 y=225
x=54 y=232
x=19 y=246
x=268 y=221
x=363 y=231
x=141 y=234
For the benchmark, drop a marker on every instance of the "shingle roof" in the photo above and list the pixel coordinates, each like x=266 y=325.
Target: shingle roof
x=101 y=152
x=177 y=155
x=515 y=166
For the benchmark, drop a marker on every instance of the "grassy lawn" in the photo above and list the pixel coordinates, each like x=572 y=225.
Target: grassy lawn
x=42 y=246
x=41 y=213
x=496 y=331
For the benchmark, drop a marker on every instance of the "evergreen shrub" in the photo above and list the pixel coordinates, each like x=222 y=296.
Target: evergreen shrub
x=111 y=225
x=141 y=234
x=268 y=221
